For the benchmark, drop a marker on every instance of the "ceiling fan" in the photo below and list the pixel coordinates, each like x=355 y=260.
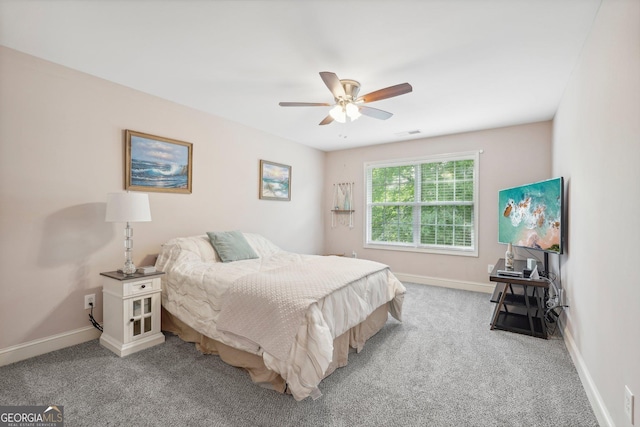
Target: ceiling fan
x=348 y=106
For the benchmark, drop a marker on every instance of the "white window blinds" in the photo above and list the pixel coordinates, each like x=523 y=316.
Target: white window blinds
x=425 y=204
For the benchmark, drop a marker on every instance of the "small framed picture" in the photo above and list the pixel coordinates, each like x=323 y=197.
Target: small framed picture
x=275 y=181
x=155 y=163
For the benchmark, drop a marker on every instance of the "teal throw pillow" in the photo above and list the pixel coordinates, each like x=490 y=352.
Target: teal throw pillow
x=231 y=246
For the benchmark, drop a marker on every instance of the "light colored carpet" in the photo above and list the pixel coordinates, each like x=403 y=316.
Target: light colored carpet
x=441 y=367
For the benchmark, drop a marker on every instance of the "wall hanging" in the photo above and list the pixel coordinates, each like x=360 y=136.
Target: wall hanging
x=342 y=210
x=155 y=163
x=275 y=181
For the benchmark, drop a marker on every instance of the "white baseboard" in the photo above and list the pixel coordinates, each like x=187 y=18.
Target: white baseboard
x=446 y=283
x=34 y=348
x=597 y=404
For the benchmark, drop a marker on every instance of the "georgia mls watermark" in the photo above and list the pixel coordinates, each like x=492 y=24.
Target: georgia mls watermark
x=32 y=416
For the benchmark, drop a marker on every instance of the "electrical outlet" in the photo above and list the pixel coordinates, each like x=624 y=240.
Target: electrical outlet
x=354 y=254
x=489 y=268
x=628 y=403
x=88 y=300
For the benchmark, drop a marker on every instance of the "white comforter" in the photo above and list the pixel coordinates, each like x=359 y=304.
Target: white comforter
x=196 y=282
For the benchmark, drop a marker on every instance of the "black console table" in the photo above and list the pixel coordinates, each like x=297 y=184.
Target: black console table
x=520 y=302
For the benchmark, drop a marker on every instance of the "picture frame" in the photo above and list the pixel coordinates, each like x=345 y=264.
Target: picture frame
x=156 y=163
x=275 y=181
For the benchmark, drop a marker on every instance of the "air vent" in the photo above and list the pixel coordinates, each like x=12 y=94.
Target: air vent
x=409 y=132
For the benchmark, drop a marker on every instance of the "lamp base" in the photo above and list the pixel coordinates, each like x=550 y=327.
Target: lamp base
x=128 y=268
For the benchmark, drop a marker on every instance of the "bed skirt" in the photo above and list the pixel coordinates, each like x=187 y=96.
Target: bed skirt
x=354 y=338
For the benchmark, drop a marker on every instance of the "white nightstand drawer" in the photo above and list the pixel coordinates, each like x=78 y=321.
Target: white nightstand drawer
x=140 y=286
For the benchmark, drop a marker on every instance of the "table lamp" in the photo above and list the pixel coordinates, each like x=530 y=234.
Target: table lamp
x=128 y=207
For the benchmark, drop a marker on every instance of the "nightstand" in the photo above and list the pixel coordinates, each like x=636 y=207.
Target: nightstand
x=131 y=311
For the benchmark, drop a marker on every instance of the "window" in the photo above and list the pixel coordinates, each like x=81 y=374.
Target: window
x=427 y=204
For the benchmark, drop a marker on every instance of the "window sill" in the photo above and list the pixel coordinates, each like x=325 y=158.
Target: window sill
x=443 y=251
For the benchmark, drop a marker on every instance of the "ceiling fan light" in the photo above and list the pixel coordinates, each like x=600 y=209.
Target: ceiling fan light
x=352 y=111
x=338 y=114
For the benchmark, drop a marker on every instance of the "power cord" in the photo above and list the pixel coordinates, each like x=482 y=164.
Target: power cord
x=553 y=302
x=94 y=322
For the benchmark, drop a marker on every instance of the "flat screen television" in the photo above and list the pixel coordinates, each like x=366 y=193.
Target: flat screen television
x=532 y=215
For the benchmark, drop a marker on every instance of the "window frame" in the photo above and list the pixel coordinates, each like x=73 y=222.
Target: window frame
x=415 y=246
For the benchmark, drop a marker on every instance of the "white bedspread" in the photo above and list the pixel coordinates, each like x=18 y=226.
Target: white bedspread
x=268 y=307
x=196 y=286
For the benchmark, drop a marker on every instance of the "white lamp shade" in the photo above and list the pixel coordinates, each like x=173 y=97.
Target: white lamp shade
x=352 y=111
x=128 y=207
x=338 y=114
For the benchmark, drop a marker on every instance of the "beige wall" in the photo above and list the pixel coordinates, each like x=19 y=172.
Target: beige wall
x=511 y=156
x=597 y=148
x=61 y=152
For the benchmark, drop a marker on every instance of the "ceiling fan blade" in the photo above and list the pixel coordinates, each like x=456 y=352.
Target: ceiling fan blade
x=388 y=92
x=333 y=83
x=304 y=104
x=326 y=120
x=375 y=113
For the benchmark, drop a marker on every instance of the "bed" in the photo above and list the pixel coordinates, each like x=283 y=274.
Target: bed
x=239 y=296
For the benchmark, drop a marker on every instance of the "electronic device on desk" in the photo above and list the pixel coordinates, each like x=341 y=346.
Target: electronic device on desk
x=510 y=273
x=526 y=274
x=148 y=269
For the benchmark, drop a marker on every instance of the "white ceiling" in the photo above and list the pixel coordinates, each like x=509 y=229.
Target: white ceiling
x=473 y=64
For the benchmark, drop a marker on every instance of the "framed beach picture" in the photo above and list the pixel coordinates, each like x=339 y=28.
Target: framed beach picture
x=275 y=181
x=155 y=163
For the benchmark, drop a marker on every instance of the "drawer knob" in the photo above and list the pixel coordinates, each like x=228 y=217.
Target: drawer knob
x=143 y=286
x=131 y=320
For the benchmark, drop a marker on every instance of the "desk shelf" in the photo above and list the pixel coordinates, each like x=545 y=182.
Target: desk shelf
x=520 y=302
x=514 y=296
x=520 y=323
